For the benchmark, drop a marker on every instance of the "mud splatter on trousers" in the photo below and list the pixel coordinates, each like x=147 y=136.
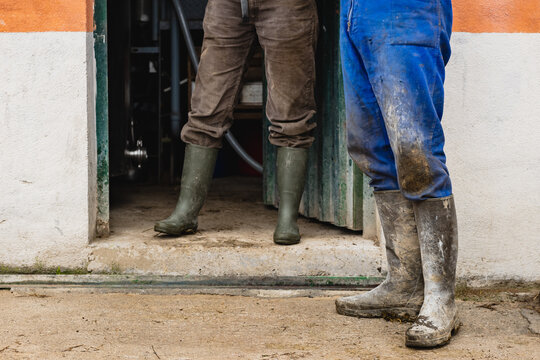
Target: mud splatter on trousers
x=394 y=55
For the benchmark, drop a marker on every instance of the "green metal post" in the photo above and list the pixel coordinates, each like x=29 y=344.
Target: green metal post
x=102 y=116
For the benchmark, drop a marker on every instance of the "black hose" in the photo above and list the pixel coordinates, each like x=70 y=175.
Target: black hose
x=155 y=20
x=187 y=34
x=195 y=60
x=175 y=77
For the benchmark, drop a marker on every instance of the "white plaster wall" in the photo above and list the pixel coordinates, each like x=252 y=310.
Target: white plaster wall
x=492 y=123
x=47 y=150
x=47 y=142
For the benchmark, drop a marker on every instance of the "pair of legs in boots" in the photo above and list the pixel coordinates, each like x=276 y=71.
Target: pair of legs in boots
x=394 y=55
x=287 y=32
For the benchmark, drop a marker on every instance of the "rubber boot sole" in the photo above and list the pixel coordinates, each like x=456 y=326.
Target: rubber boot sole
x=423 y=342
x=406 y=314
x=287 y=241
x=285 y=238
x=175 y=232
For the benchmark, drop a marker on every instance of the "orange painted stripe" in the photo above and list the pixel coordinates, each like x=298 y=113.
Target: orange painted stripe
x=46 y=15
x=497 y=16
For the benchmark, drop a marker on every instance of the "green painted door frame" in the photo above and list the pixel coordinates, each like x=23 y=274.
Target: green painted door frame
x=102 y=116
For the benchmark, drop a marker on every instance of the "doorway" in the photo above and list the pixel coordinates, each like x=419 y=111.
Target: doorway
x=151 y=78
x=149 y=69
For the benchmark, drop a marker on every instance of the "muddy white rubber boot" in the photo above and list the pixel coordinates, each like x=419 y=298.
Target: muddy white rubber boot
x=437 y=230
x=400 y=296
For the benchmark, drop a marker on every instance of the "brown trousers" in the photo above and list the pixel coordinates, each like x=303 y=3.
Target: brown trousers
x=287 y=31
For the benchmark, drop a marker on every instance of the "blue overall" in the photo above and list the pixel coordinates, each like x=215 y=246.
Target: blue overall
x=394 y=54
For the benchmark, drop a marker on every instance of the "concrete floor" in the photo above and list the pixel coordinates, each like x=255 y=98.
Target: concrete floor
x=41 y=324
x=234 y=238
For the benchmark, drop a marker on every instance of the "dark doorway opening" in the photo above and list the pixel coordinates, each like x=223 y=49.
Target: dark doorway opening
x=150 y=80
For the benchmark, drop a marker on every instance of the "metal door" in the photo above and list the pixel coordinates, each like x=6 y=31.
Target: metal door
x=336 y=190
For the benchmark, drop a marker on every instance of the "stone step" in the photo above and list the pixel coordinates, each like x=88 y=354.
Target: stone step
x=234 y=239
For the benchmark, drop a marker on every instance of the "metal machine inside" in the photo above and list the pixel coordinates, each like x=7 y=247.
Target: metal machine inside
x=153 y=49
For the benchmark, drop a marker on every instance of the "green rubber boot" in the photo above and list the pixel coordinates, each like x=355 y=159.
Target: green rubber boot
x=199 y=163
x=291 y=178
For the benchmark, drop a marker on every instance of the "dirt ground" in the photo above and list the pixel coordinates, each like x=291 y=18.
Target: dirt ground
x=95 y=325
x=127 y=326
x=233 y=216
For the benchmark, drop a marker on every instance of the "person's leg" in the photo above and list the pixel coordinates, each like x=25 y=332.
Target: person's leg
x=401 y=294
x=226 y=46
x=287 y=31
x=409 y=93
x=407 y=68
x=367 y=142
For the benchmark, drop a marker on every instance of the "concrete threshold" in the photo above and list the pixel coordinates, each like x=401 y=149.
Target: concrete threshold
x=234 y=240
x=270 y=293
